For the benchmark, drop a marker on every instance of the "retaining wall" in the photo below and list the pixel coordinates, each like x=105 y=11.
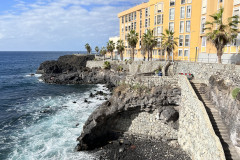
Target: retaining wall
x=196 y=135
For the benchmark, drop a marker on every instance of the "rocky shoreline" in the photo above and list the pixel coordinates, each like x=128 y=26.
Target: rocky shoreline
x=106 y=128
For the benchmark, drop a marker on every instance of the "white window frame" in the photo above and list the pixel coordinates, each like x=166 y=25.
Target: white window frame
x=182 y=14
x=188 y=40
x=189 y=14
x=172 y=2
x=189 y=1
x=203 y=19
x=171 y=17
x=182 y=41
x=185 y=51
x=181 y=28
x=204 y=42
x=180 y=55
x=169 y=26
x=188 y=29
x=183 y=2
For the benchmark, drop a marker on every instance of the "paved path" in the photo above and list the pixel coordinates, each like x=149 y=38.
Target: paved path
x=217 y=123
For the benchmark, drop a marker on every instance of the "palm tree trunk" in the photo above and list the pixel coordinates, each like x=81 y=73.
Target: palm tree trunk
x=112 y=55
x=133 y=53
x=151 y=54
x=104 y=57
x=168 y=55
x=121 y=56
x=219 y=54
x=148 y=55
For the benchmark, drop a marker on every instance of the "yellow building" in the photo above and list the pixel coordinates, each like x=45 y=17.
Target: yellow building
x=186 y=18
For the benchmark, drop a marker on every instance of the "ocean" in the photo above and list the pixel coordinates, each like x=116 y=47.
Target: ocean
x=38 y=120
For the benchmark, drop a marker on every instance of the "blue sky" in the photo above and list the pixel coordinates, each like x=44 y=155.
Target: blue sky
x=59 y=25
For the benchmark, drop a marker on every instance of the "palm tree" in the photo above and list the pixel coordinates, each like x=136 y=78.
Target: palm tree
x=110 y=47
x=120 y=47
x=97 y=49
x=169 y=42
x=149 y=42
x=132 y=39
x=220 y=34
x=103 y=52
x=88 y=48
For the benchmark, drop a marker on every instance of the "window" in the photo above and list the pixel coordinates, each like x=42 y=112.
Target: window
x=158 y=42
x=172 y=2
x=129 y=18
x=181 y=26
x=236 y=13
x=135 y=15
x=204 y=41
x=122 y=28
x=122 y=19
x=159 y=31
x=171 y=14
x=220 y=1
x=146 y=12
x=146 y=23
x=180 y=52
x=188 y=26
x=159 y=8
x=140 y=34
x=187 y=40
x=204 y=6
x=203 y=24
x=131 y=26
x=135 y=25
x=140 y=24
x=186 y=53
x=132 y=16
x=181 y=40
x=140 y=44
x=234 y=42
x=189 y=11
x=182 y=13
x=159 y=19
x=236 y=2
x=182 y=1
x=171 y=26
x=126 y=18
x=140 y=14
x=189 y=1
x=126 y=28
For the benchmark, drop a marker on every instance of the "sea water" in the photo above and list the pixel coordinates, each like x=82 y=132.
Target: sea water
x=37 y=120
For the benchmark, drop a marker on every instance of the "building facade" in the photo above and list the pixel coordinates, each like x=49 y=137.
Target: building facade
x=186 y=18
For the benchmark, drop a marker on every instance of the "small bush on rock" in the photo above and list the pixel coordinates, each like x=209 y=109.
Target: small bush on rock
x=235 y=92
x=120 y=68
x=107 y=65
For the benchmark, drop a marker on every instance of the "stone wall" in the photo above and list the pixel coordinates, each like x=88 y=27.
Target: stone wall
x=135 y=67
x=196 y=135
x=203 y=71
x=228 y=107
x=151 y=81
x=145 y=124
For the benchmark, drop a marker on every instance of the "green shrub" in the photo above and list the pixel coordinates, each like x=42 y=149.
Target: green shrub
x=120 y=68
x=106 y=65
x=235 y=92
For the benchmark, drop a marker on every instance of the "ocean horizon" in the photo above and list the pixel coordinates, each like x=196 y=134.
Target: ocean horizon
x=38 y=120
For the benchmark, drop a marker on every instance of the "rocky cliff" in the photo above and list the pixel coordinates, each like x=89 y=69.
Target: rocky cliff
x=152 y=107
x=71 y=69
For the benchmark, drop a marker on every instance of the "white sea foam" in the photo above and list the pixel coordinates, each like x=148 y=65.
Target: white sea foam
x=54 y=136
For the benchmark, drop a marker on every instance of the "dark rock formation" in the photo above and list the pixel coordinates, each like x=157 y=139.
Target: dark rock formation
x=71 y=69
x=97 y=130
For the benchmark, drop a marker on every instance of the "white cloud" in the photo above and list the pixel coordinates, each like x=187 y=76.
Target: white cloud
x=60 y=24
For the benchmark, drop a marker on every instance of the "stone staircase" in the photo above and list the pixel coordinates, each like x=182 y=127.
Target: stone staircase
x=217 y=123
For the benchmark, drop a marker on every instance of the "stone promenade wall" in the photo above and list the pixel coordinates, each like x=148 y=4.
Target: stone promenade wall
x=135 y=67
x=151 y=81
x=203 y=71
x=196 y=135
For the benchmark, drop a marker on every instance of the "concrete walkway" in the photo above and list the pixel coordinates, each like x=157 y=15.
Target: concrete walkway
x=217 y=123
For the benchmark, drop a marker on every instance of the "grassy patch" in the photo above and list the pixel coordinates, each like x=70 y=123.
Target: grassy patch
x=235 y=92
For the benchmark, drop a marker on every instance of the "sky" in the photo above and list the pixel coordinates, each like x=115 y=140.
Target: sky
x=59 y=25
